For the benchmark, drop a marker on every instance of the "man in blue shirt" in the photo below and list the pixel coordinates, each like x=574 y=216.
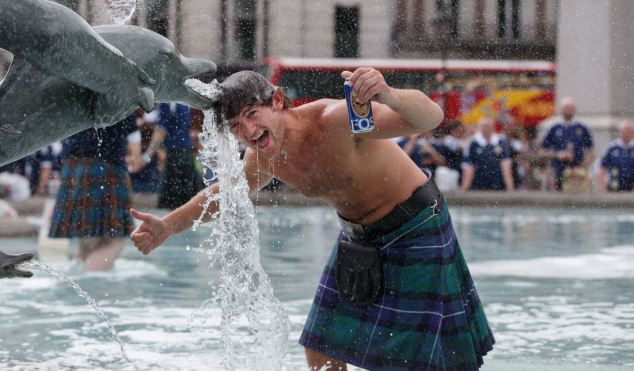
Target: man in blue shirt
x=424 y=150
x=617 y=163
x=181 y=179
x=568 y=145
x=487 y=161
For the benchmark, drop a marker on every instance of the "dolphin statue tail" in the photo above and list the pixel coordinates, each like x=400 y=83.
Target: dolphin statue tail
x=8 y=265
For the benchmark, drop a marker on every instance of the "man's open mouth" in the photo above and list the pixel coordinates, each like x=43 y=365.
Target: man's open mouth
x=261 y=140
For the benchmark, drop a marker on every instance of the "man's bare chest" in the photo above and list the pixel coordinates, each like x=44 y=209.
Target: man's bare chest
x=317 y=171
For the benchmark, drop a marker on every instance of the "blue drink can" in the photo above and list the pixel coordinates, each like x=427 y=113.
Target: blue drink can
x=359 y=115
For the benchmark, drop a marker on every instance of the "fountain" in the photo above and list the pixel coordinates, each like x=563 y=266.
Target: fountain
x=53 y=90
x=92 y=95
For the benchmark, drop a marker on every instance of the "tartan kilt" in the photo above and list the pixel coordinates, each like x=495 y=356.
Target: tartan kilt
x=93 y=200
x=428 y=316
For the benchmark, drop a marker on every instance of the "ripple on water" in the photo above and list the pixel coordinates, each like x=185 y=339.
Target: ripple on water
x=611 y=263
x=558 y=329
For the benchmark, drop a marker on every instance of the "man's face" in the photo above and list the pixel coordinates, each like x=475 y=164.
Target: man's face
x=487 y=128
x=568 y=110
x=626 y=132
x=253 y=126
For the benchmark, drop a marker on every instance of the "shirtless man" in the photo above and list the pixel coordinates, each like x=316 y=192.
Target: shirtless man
x=396 y=270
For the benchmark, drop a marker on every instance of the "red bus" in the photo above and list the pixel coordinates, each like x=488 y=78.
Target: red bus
x=466 y=89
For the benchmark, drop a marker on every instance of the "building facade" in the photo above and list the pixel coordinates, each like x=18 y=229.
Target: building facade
x=249 y=31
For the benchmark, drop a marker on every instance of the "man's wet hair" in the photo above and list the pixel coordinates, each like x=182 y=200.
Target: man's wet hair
x=246 y=88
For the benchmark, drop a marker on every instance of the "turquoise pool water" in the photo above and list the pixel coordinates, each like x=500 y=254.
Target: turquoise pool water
x=558 y=288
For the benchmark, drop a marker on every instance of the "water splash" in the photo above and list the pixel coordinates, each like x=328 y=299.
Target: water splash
x=121 y=11
x=233 y=246
x=35 y=265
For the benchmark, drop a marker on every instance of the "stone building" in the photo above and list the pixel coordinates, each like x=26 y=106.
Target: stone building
x=593 y=61
x=248 y=31
x=239 y=31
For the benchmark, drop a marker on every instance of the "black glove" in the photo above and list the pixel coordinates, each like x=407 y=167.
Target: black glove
x=8 y=263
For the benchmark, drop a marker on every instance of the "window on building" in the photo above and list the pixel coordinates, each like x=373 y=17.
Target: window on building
x=347 y=32
x=157 y=17
x=515 y=20
x=455 y=17
x=245 y=29
x=501 y=18
x=448 y=17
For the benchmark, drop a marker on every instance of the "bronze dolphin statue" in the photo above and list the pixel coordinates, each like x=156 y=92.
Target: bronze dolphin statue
x=60 y=43
x=39 y=106
x=8 y=264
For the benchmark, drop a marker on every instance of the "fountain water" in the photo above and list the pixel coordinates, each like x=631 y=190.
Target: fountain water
x=233 y=245
x=121 y=11
x=35 y=265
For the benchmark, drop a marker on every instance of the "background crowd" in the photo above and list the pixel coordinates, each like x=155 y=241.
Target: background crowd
x=506 y=155
x=159 y=155
x=496 y=155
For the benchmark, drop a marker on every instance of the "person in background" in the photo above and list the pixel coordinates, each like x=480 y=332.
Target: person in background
x=93 y=201
x=535 y=166
x=146 y=176
x=516 y=137
x=46 y=169
x=195 y=129
x=422 y=150
x=411 y=146
x=41 y=169
x=181 y=179
x=617 y=163
x=568 y=145
x=487 y=161
x=451 y=139
x=20 y=167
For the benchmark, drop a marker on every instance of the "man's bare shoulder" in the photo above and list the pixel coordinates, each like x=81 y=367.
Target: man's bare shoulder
x=323 y=112
x=321 y=105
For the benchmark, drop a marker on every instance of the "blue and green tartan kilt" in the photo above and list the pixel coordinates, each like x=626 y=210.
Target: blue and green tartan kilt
x=428 y=316
x=93 y=200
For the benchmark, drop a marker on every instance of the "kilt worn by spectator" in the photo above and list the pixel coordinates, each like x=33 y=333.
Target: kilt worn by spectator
x=428 y=316
x=93 y=201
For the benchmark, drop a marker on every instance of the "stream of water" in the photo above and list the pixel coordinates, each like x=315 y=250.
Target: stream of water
x=35 y=265
x=244 y=288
